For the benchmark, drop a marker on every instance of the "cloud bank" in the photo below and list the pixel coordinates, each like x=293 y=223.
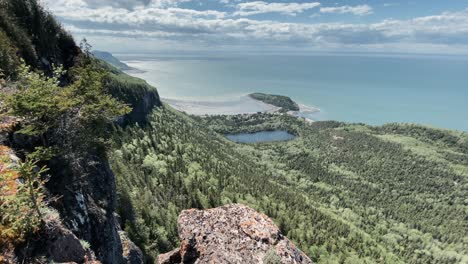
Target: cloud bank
x=165 y=21
x=260 y=7
x=359 y=10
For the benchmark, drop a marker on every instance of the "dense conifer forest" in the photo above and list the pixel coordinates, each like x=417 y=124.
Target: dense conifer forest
x=281 y=101
x=345 y=193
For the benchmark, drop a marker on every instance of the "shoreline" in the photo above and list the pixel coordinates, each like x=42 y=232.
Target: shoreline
x=242 y=105
x=228 y=106
x=133 y=70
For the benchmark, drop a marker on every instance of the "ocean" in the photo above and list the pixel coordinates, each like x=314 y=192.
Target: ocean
x=373 y=89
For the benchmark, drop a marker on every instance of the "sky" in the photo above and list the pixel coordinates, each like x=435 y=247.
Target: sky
x=388 y=26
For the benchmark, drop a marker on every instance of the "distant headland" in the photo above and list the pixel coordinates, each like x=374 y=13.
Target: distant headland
x=283 y=102
x=109 y=58
x=245 y=104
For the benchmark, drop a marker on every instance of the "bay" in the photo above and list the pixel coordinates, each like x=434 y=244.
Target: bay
x=373 y=89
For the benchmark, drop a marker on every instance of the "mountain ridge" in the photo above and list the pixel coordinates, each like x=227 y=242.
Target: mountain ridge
x=109 y=58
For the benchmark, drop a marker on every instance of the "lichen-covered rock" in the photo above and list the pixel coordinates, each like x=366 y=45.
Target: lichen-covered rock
x=54 y=243
x=170 y=257
x=230 y=234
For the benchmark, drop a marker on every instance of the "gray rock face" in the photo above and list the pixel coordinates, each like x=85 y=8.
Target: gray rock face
x=87 y=205
x=131 y=253
x=230 y=234
x=144 y=106
x=66 y=248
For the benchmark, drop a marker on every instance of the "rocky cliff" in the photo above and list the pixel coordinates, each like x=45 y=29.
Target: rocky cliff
x=231 y=234
x=82 y=191
x=81 y=188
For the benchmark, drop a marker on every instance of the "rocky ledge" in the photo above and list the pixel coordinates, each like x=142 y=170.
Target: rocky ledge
x=231 y=234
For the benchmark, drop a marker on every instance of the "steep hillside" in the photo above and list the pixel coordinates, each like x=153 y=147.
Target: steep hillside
x=397 y=184
x=109 y=58
x=30 y=33
x=341 y=192
x=58 y=195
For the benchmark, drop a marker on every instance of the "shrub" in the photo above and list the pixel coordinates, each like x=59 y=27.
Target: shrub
x=85 y=244
x=21 y=199
x=71 y=118
x=9 y=62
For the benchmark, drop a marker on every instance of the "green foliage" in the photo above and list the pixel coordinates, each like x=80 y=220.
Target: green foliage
x=251 y=123
x=285 y=103
x=109 y=58
x=73 y=117
x=341 y=192
x=36 y=35
x=14 y=36
x=9 y=62
x=405 y=190
x=129 y=89
x=85 y=244
x=38 y=100
x=32 y=175
x=135 y=92
x=92 y=108
x=458 y=141
x=21 y=205
x=175 y=163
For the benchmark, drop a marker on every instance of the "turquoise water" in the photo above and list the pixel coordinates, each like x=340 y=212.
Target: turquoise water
x=264 y=136
x=431 y=90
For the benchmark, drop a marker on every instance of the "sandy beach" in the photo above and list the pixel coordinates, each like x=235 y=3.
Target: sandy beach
x=234 y=106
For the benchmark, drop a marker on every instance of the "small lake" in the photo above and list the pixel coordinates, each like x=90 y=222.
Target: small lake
x=264 y=136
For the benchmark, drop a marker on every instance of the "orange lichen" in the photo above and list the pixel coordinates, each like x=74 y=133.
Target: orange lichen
x=8 y=190
x=7 y=123
x=8 y=177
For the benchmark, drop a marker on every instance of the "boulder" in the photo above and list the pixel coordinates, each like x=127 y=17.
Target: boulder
x=231 y=234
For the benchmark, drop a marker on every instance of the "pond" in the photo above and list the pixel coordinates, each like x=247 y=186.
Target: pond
x=263 y=136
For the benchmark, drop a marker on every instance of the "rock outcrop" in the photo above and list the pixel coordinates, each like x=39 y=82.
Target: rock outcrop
x=231 y=234
x=131 y=253
x=81 y=186
x=87 y=204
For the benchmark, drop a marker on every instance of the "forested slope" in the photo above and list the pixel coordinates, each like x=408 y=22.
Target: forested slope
x=30 y=33
x=343 y=192
x=404 y=185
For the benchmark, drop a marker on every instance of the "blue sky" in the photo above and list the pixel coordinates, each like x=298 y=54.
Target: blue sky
x=417 y=26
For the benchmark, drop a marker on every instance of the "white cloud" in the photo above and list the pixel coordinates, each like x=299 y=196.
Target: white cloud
x=167 y=3
x=211 y=27
x=359 y=10
x=127 y=4
x=260 y=7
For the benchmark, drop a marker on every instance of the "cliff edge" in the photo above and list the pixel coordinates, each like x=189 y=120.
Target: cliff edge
x=231 y=234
